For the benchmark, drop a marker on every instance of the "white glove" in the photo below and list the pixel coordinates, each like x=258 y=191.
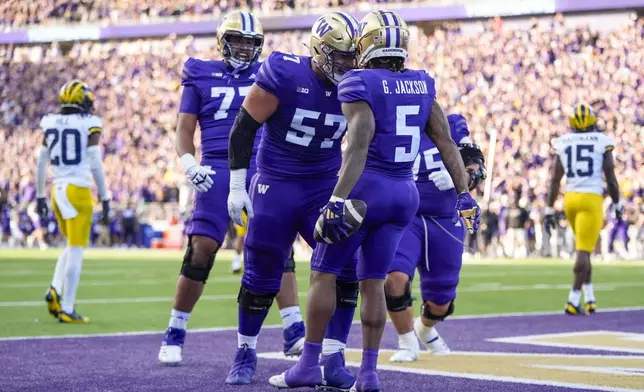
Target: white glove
x=198 y=176
x=238 y=199
x=442 y=180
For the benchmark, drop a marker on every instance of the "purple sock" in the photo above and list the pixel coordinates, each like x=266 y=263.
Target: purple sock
x=311 y=354
x=340 y=324
x=369 y=360
x=249 y=323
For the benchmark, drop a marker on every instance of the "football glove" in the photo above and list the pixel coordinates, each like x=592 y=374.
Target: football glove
x=467 y=209
x=334 y=225
x=549 y=222
x=442 y=180
x=41 y=207
x=618 y=210
x=238 y=199
x=198 y=176
x=105 y=216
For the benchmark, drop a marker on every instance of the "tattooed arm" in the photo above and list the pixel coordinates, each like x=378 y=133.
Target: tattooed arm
x=555 y=182
x=438 y=131
x=362 y=127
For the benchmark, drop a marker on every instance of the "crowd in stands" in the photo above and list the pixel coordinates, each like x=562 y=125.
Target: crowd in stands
x=512 y=84
x=18 y=13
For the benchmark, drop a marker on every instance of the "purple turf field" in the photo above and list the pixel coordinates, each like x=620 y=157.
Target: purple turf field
x=602 y=352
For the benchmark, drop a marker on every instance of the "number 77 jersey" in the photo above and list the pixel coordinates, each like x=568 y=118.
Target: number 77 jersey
x=582 y=156
x=66 y=137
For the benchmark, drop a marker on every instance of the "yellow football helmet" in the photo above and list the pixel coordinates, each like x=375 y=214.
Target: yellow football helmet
x=240 y=38
x=382 y=34
x=77 y=94
x=332 y=45
x=582 y=118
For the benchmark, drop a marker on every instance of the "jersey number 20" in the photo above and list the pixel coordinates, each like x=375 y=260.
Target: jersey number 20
x=582 y=155
x=70 y=154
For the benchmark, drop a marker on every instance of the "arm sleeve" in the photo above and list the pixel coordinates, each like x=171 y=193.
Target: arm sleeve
x=96 y=166
x=353 y=88
x=272 y=74
x=41 y=171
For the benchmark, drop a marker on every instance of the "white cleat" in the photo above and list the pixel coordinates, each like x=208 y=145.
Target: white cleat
x=278 y=381
x=170 y=355
x=236 y=265
x=437 y=346
x=404 y=355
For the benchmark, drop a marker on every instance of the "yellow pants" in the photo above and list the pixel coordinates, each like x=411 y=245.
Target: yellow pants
x=586 y=217
x=241 y=230
x=77 y=229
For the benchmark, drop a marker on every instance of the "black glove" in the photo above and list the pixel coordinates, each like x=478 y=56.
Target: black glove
x=106 y=212
x=549 y=219
x=41 y=207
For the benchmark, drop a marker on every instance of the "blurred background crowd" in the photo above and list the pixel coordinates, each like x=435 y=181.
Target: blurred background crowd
x=513 y=82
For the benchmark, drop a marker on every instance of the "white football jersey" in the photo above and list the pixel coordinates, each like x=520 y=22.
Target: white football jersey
x=66 y=136
x=582 y=156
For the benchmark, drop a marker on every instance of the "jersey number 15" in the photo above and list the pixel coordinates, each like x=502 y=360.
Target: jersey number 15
x=582 y=155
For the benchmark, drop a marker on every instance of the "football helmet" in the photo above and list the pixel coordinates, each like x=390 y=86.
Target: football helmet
x=582 y=118
x=332 y=45
x=240 y=38
x=77 y=94
x=381 y=34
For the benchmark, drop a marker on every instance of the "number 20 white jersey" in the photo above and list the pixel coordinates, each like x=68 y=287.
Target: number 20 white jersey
x=66 y=136
x=582 y=156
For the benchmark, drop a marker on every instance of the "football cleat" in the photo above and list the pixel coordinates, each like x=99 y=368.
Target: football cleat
x=298 y=376
x=172 y=346
x=294 y=339
x=337 y=377
x=573 y=310
x=591 y=307
x=437 y=345
x=367 y=382
x=53 y=301
x=236 y=265
x=72 y=318
x=404 y=355
x=243 y=367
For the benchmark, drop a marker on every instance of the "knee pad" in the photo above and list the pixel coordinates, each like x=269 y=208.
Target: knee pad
x=346 y=294
x=255 y=303
x=199 y=274
x=290 y=263
x=428 y=314
x=400 y=303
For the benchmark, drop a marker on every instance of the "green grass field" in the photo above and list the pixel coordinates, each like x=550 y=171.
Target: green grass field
x=124 y=290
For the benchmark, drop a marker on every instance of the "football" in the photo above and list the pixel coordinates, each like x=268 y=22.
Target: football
x=354 y=213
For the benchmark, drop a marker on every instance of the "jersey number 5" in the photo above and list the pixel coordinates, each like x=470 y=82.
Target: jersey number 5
x=582 y=155
x=70 y=154
x=229 y=95
x=402 y=129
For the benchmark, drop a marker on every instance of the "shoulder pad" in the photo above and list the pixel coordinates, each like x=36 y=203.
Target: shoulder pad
x=46 y=121
x=195 y=69
x=274 y=72
x=94 y=123
x=353 y=87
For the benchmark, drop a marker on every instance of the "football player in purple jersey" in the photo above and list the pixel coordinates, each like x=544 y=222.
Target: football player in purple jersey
x=386 y=107
x=296 y=100
x=433 y=243
x=212 y=95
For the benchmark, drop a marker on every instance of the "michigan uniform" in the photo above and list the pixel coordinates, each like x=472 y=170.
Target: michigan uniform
x=582 y=156
x=70 y=145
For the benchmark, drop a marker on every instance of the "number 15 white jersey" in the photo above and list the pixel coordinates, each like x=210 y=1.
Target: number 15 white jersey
x=582 y=156
x=66 y=136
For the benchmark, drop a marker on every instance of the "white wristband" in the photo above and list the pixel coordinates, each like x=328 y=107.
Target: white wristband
x=549 y=211
x=187 y=161
x=238 y=179
x=333 y=199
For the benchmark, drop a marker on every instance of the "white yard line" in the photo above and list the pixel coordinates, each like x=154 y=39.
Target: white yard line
x=230 y=329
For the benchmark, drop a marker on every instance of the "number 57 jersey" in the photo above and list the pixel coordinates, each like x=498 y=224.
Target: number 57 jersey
x=66 y=137
x=582 y=156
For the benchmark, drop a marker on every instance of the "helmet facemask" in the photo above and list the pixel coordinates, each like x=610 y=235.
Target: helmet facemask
x=241 y=50
x=336 y=62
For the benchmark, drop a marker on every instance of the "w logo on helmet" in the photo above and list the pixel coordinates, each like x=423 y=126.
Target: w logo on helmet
x=322 y=28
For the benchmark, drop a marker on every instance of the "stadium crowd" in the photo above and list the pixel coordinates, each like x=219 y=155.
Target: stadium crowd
x=512 y=84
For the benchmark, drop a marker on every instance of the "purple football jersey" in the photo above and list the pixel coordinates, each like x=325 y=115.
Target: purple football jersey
x=434 y=202
x=302 y=138
x=401 y=103
x=214 y=94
